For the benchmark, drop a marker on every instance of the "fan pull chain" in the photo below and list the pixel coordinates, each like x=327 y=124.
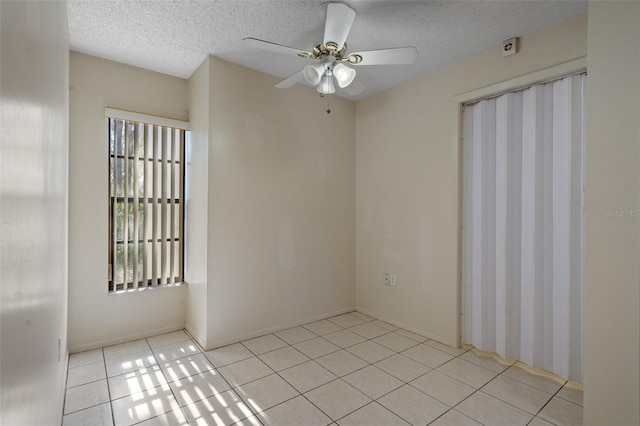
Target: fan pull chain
x=328 y=106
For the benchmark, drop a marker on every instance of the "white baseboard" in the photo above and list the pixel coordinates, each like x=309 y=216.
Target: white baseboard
x=210 y=345
x=195 y=336
x=406 y=327
x=124 y=338
x=236 y=339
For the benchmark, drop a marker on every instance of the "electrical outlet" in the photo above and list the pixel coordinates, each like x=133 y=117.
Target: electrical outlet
x=389 y=279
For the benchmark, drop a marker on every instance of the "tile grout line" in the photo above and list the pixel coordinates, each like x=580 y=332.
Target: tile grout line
x=168 y=382
x=508 y=403
x=384 y=407
x=368 y=365
x=547 y=403
x=163 y=375
x=64 y=401
x=341 y=377
x=303 y=394
x=180 y=407
x=232 y=387
x=526 y=384
x=452 y=378
x=256 y=414
x=145 y=367
x=86 y=383
x=404 y=383
x=516 y=380
x=494 y=378
x=82 y=384
x=254 y=354
x=339 y=348
x=459 y=412
x=421 y=375
x=104 y=363
x=258 y=356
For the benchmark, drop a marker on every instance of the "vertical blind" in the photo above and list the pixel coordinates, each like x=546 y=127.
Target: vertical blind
x=146 y=211
x=523 y=188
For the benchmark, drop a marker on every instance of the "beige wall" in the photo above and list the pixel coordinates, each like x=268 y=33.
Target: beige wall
x=196 y=207
x=281 y=205
x=33 y=211
x=270 y=237
x=95 y=317
x=407 y=166
x=612 y=295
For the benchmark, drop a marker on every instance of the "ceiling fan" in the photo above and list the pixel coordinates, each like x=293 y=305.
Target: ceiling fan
x=332 y=55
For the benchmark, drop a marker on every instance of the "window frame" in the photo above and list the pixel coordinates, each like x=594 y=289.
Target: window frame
x=149 y=201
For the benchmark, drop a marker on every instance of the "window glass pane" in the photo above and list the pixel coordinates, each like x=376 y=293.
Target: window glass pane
x=119 y=137
x=145 y=184
x=130 y=222
x=148 y=220
x=141 y=220
x=118 y=222
x=118 y=176
x=147 y=259
x=140 y=177
x=112 y=136
x=130 y=263
x=118 y=273
x=112 y=165
x=130 y=178
x=130 y=140
x=140 y=261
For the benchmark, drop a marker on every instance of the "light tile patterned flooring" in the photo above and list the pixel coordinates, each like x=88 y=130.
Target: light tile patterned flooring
x=348 y=370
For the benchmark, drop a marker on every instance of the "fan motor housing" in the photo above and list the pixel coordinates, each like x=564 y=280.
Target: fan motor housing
x=330 y=49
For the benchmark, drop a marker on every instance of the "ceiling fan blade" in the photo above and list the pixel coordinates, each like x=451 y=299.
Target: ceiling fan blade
x=339 y=20
x=355 y=88
x=399 y=55
x=276 y=48
x=291 y=80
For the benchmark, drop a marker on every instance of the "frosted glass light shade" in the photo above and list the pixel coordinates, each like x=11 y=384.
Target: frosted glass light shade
x=344 y=75
x=313 y=73
x=326 y=86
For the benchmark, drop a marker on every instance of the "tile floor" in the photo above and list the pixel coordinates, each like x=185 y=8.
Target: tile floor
x=347 y=370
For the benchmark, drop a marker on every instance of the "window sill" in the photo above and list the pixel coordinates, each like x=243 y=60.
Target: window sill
x=143 y=289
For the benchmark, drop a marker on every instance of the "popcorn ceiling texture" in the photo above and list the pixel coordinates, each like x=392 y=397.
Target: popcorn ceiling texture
x=174 y=37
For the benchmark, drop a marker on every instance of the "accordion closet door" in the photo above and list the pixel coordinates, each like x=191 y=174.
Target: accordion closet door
x=523 y=217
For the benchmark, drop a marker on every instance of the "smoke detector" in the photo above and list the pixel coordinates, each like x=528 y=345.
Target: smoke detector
x=510 y=47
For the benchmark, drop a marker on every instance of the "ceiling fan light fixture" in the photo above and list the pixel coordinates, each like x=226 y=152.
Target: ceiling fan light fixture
x=313 y=73
x=344 y=75
x=332 y=55
x=326 y=86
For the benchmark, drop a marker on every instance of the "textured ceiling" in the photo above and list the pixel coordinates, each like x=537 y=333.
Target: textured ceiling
x=174 y=37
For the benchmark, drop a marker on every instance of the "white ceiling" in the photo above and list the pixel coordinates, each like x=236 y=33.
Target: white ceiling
x=174 y=37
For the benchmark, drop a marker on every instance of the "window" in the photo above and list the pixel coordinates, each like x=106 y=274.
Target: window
x=146 y=187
